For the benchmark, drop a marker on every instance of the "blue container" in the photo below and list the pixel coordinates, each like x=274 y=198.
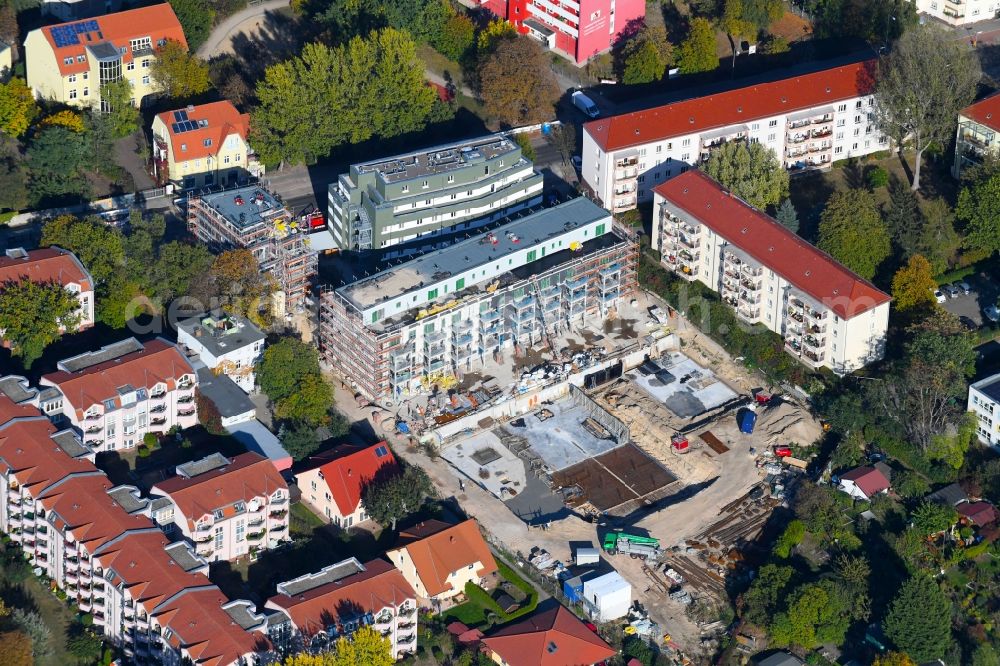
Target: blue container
x=748 y=419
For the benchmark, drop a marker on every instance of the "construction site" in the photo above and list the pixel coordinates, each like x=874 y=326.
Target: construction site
x=252 y=218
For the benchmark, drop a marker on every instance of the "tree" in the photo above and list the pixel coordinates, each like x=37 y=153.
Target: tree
x=816 y=615
x=750 y=171
x=17 y=107
x=284 y=365
x=196 y=18
x=243 y=287
x=306 y=659
x=122 y=114
x=299 y=440
x=55 y=162
x=458 y=34
x=177 y=264
x=787 y=215
x=910 y=485
x=13 y=188
x=921 y=86
x=852 y=577
x=791 y=537
x=767 y=591
x=33 y=624
x=178 y=73
x=697 y=52
x=983 y=655
x=524 y=141
x=735 y=25
x=15 y=646
x=931 y=518
x=517 y=84
x=938 y=240
x=31 y=315
x=495 y=32
x=762 y=13
x=208 y=414
x=564 y=140
x=904 y=218
x=919 y=620
x=893 y=659
x=913 y=285
x=979 y=207
x=851 y=229
x=100 y=248
x=392 y=498
x=365 y=646
x=69 y=119
x=646 y=56
x=83 y=644
x=310 y=403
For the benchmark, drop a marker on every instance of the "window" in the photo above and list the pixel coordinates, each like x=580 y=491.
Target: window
x=72 y=94
x=184 y=147
x=81 y=58
x=404 y=189
x=381 y=452
x=451 y=178
x=773 y=123
x=145 y=80
x=240 y=507
x=130 y=66
x=71 y=78
x=145 y=63
x=68 y=61
x=424 y=185
x=225 y=160
x=240 y=529
x=207 y=143
x=218 y=538
x=770 y=137
x=140 y=44
x=857 y=105
x=659 y=148
x=857 y=119
x=686 y=142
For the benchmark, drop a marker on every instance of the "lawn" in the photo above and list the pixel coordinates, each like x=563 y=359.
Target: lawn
x=56 y=614
x=302 y=522
x=439 y=63
x=470 y=614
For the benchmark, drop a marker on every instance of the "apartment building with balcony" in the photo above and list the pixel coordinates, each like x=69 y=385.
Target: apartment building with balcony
x=417 y=198
x=226 y=507
x=333 y=482
x=575 y=29
x=959 y=12
x=69 y=62
x=227 y=344
x=114 y=396
x=829 y=316
x=52 y=265
x=341 y=598
x=203 y=146
x=809 y=121
x=976 y=137
x=459 y=309
x=95 y=543
x=253 y=218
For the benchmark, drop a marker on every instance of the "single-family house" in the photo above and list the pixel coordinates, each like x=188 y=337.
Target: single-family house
x=333 y=482
x=864 y=483
x=552 y=637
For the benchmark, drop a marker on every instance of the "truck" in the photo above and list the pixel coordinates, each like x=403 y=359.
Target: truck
x=636 y=547
x=585 y=104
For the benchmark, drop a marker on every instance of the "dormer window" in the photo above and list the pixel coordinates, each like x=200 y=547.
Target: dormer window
x=217 y=514
x=184 y=147
x=208 y=143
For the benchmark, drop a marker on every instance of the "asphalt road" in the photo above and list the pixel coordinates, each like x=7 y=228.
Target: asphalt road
x=223 y=32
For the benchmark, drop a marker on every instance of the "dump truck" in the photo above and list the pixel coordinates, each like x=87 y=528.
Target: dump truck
x=636 y=547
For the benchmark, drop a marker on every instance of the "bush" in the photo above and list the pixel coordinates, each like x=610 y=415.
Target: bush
x=144 y=451
x=877 y=177
x=524 y=141
x=791 y=537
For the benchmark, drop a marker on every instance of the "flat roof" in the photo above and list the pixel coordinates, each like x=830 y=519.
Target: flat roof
x=990 y=387
x=257 y=438
x=221 y=334
x=245 y=207
x=102 y=355
x=16 y=388
x=328 y=574
x=438 y=159
x=228 y=398
x=477 y=251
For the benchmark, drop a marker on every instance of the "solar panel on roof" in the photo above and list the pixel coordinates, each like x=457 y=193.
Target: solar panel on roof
x=180 y=115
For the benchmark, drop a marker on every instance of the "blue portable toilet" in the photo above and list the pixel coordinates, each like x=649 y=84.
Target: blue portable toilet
x=747 y=420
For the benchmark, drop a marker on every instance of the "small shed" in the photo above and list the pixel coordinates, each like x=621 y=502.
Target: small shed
x=587 y=557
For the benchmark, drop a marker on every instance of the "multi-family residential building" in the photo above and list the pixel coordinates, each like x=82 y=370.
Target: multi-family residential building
x=68 y=10
x=438 y=559
x=227 y=344
x=203 y=146
x=809 y=121
x=52 y=265
x=226 y=507
x=115 y=395
x=976 y=138
x=341 y=598
x=252 y=218
x=575 y=30
x=333 y=482
x=69 y=62
x=959 y=12
x=828 y=315
x=984 y=403
x=547 y=637
x=150 y=598
x=462 y=307
x=421 y=196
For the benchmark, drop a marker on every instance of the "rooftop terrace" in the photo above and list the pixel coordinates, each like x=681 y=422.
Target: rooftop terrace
x=439 y=159
x=245 y=207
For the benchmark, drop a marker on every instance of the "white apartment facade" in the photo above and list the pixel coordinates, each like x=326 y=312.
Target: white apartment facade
x=959 y=12
x=809 y=121
x=984 y=403
x=52 y=264
x=227 y=344
x=114 y=396
x=828 y=316
x=226 y=507
x=977 y=135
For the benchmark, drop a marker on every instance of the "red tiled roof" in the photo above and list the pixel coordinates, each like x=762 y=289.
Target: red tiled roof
x=378 y=586
x=346 y=469
x=439 y=549
x=980 y=513
x=733 y=107
x=554 y=637
x=156 y=22
x=868 y=479
x=985 y=111
x=28 y=452
x=50 y=264
x=198 y=624
x=802 y=264
x=248 y=475
x=158 y=362
x=221 y=119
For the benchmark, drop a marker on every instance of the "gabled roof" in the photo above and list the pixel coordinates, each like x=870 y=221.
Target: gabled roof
x=380 y=585
x=50 y=264
x=28 y=452
x=554 y=637
x=248 y=475
x=733 y=107
x=77 y=38
x=158 y=362
x=985 y=112
x=439 y=549
x=950 y=495
x=868 y=479
x=347 y=469
x=213 y=123
x=198 y=624
x=979 y=513
x=802 y=264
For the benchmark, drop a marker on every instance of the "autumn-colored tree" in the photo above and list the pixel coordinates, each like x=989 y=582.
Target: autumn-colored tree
x=17 y=107
x=239 y=282
x=306 y=659
x=69 y=119
x=893 y=659
x=517 y=84
x=178 y=73
x=15 y=646
x=913 y=285
x=494 y=32
x=735 y=25
x=697 y=52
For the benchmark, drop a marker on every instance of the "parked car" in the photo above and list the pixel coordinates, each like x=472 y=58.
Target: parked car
x=950 y=290
x=964 y=286
x=577 y=161
x=939 y=296
x=992 y=313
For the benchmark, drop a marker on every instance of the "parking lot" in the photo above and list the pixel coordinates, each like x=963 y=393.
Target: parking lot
x=983 y=293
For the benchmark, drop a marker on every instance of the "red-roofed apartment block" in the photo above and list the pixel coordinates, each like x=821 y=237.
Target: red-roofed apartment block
x=52 y=264
x=333 y=482
x=809 y=121
x=69 y=62
x=575 y=30
x=114 y=396
x=977 y=135
x=227 y=507
x=828 y=315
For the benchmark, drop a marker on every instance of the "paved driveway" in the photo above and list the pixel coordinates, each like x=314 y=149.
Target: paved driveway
x=985 y=291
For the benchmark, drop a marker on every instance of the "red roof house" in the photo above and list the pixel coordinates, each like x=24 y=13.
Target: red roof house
x=554 y=637
x=864 y=483
x=333 y=482
x=979 y=513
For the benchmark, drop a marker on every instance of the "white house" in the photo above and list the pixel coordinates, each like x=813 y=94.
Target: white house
x=864 y=483
x=984 y=396
x=226 y=344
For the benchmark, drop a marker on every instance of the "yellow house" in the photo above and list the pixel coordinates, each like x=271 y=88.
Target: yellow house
x=203 y=145
x=69 y=62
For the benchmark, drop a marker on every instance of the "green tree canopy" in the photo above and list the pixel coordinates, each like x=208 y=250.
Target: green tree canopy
x=761 y=602
x=750 y=171
x=392 y=498
x=284 y=365
x=931 y=518
x=178 y=73
x=56 y=160
x=646 y=55
x=697 y=52
x=816 y=614
x=516 y=83
x=32 y=314
x=787 y=215
x=457 y=37
x=99 y=247
x=913 y=285
x=919 y=620
x=196 y=18
x=123 y=116
x=938 y=240
x=299 y=439
x=904 y=219
x=851 y=229
x=18 y=108
x=979 y=207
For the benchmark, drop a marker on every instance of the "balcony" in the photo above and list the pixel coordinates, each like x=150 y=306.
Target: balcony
x=96 y=428
x=750 y=314
x=186 y=412
x=814 y=342
x=748 y=298
x=183 y=400
x=814 y=358
x=278 y=514
x=820 y=133
x=954 y=13
x=159 y=409
x=795 y=124
x=255 y=536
